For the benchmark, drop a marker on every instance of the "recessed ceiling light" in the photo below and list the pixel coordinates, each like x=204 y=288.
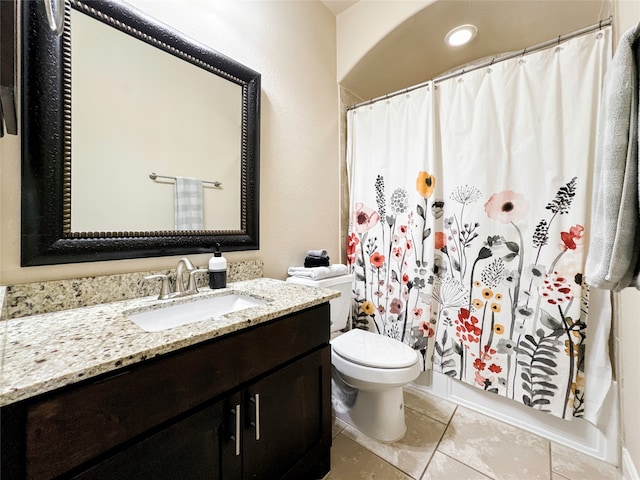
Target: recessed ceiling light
x=460 y=35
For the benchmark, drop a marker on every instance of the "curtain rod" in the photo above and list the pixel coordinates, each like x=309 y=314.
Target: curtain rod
x=493 y=61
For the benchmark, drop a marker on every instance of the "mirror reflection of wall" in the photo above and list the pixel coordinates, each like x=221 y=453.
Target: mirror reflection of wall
x=137 y=110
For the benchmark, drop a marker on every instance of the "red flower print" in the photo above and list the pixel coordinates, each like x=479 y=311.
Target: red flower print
x=427 y=330
x=556 y=289
x=480 y=380
x=495 y=368
x=568 y=241
x=569 y=238
x=364 y=218
x=506 y=207
x=352 y=248
x=404 y=229
x=377 y=260
x=479 y=364
x=441 y=240
x=487 y=349
x=466 y=328
x=417 y=314
x=397 y=253
x=405 y=278
x=577 y=231
x=396 y=306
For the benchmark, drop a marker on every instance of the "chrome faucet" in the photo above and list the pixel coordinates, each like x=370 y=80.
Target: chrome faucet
x=185 y=264
x=181 y=290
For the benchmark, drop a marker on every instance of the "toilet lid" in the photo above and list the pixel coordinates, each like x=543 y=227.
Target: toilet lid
x=373 y=350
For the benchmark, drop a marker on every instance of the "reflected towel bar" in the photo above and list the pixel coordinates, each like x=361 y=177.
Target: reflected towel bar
x=154 y=176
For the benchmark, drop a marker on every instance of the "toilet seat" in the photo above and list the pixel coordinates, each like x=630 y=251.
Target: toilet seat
x=373 y=350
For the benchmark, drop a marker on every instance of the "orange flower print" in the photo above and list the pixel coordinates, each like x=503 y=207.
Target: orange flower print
x=441 y=240
x=506 y=207
x=425 y=184
x=367 y=308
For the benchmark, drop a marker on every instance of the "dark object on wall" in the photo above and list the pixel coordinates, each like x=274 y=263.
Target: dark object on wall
x=8 y=67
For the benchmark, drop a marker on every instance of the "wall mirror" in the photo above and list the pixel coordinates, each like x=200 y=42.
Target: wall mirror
x=113 y=98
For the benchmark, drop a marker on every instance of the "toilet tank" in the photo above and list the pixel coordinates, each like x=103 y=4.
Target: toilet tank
x=341 y=306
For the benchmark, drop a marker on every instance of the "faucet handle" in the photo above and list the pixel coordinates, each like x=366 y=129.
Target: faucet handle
x=165 y=287
x=192 y=287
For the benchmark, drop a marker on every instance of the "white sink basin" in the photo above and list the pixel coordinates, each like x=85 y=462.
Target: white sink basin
x=195 y=311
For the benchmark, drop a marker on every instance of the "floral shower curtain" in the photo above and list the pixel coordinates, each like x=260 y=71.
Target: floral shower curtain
x=391 y=185
x=471 y=247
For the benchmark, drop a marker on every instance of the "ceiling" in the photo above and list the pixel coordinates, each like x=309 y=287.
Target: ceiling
x=415 y=51
x=338 y=6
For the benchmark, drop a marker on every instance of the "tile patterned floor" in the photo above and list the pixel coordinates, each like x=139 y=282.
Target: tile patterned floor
x=448 y=442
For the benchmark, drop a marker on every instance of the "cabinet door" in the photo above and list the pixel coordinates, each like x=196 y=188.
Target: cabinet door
x=288 y=421
x=197 y=447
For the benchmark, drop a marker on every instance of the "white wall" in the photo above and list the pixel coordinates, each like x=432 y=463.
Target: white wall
x=292 y=44
x=367 y=22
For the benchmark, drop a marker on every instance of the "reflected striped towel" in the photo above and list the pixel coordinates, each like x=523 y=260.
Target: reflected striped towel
x=188 y=204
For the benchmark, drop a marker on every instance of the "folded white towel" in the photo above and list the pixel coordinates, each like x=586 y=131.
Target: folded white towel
x=318 y=273
x=317 y=253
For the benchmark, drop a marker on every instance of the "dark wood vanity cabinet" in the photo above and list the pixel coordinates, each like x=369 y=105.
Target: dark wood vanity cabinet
x=249 y=405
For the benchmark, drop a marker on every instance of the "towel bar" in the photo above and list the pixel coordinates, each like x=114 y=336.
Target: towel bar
x=154 y=176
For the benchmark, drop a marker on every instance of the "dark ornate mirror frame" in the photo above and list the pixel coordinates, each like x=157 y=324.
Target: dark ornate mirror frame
x=46 y=236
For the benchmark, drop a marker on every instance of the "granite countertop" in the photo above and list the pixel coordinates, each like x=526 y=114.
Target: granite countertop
x=43 y=352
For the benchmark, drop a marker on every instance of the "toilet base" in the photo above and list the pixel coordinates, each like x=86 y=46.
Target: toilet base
x=378 y=414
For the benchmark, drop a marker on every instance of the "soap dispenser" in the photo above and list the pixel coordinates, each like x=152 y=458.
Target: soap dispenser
x=217 y=270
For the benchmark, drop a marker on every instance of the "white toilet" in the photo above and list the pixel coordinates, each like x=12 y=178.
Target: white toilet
x=369 y=370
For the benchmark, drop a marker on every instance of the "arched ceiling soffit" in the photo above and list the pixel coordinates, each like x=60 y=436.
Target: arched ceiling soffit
x=415 y=51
